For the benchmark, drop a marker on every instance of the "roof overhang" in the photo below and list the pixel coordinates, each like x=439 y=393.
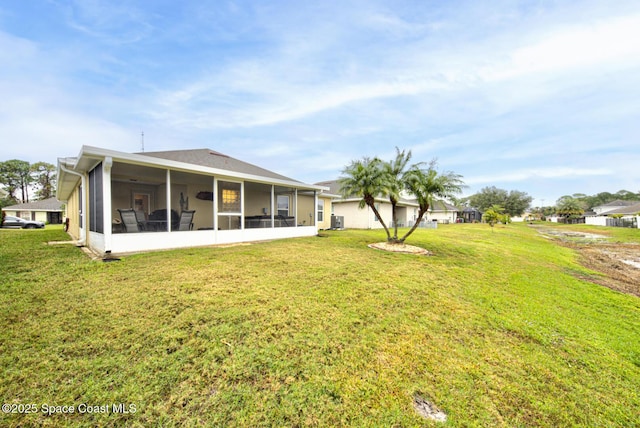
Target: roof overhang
x=90 y=156
x=66 y=180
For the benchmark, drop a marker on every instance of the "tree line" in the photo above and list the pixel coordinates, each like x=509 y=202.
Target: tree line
x=514 y=202
x=24 y=181
x=576 y=204
x=587 y=202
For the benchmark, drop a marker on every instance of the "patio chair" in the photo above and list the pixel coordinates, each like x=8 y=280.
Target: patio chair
x=141 y=219
x=186 y=220
x=129 y=220
x=284 y=219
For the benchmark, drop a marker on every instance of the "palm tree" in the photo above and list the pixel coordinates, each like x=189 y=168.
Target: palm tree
x=427 y=185
x=365 y=179
x=394 y=178
x=493 y=215
x=568 y=207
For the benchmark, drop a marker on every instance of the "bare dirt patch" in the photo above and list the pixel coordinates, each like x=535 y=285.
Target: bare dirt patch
x=399 y=248
x=619 y=263
x=428 y=410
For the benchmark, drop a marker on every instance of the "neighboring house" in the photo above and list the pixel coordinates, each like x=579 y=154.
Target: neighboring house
x=617 y=213
x=180 y=198
x=441 y=212
x=364 y=218
x=612 y=206
x=47 y=210
x=471 y=215
x=526 y=216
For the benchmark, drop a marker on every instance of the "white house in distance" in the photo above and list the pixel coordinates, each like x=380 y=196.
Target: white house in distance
x=49 y=211
x=406 y=210
x=628 y=212
x=124 y=202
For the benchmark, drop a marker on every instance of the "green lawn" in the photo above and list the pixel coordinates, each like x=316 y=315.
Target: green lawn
x=495 y=328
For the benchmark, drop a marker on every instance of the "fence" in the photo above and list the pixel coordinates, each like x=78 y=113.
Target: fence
x=623 y=222
x=564 y=220
x=425 y=224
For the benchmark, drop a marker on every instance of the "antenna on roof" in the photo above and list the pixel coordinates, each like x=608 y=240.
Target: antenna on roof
x=142 y=140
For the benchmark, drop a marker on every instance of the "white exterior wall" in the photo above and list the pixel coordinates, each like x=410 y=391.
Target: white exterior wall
x=442 y=216
x=356 y=218
x=131 y=242
x=602 y=220
x=596 y=221
x=29 y=215
x=41 y=216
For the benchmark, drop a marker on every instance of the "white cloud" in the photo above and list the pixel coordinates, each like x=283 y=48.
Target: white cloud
x=536 y=173
x=305 y=89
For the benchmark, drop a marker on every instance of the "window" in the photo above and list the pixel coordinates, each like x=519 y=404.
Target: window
x=230 y=200
x=229 y=197
x=320 y=209
x=283 y=205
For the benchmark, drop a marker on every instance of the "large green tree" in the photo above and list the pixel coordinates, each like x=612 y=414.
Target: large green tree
x=44 y=178
x=15 y=175
x=514 y=202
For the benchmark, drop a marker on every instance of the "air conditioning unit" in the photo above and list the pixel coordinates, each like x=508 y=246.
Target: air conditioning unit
x=337 y=222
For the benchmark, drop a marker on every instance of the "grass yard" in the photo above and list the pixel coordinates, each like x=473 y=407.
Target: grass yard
x=497 y=328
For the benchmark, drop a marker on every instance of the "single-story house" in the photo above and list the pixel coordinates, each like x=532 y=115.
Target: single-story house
x=613 y=206
x=617 y=213
x=406 y=210
x=124 y=202
x=49 y=211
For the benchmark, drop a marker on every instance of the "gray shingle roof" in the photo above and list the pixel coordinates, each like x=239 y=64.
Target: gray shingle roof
x=213 y=159
x=333 y=185
x=619 y=203
x=629 y=209
x=51 y=204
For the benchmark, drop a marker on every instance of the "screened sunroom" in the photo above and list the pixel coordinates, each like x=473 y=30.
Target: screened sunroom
x=137 y=202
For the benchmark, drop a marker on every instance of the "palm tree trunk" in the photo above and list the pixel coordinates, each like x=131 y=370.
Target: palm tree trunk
x=421 y=214
x=394 y=218
x=371 y=203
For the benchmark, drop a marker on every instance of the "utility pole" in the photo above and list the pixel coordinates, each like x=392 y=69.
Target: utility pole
x=142 y=140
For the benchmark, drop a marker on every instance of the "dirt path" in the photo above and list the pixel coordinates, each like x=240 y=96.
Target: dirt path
x=619 y=263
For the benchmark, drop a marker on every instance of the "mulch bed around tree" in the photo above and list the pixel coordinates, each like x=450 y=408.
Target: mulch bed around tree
x=399 y=248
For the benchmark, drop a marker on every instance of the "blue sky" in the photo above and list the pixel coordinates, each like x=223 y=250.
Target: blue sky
x=538 y=96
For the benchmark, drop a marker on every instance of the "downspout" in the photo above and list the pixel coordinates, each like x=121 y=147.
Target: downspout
x=107 y=164
x=83 y=230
